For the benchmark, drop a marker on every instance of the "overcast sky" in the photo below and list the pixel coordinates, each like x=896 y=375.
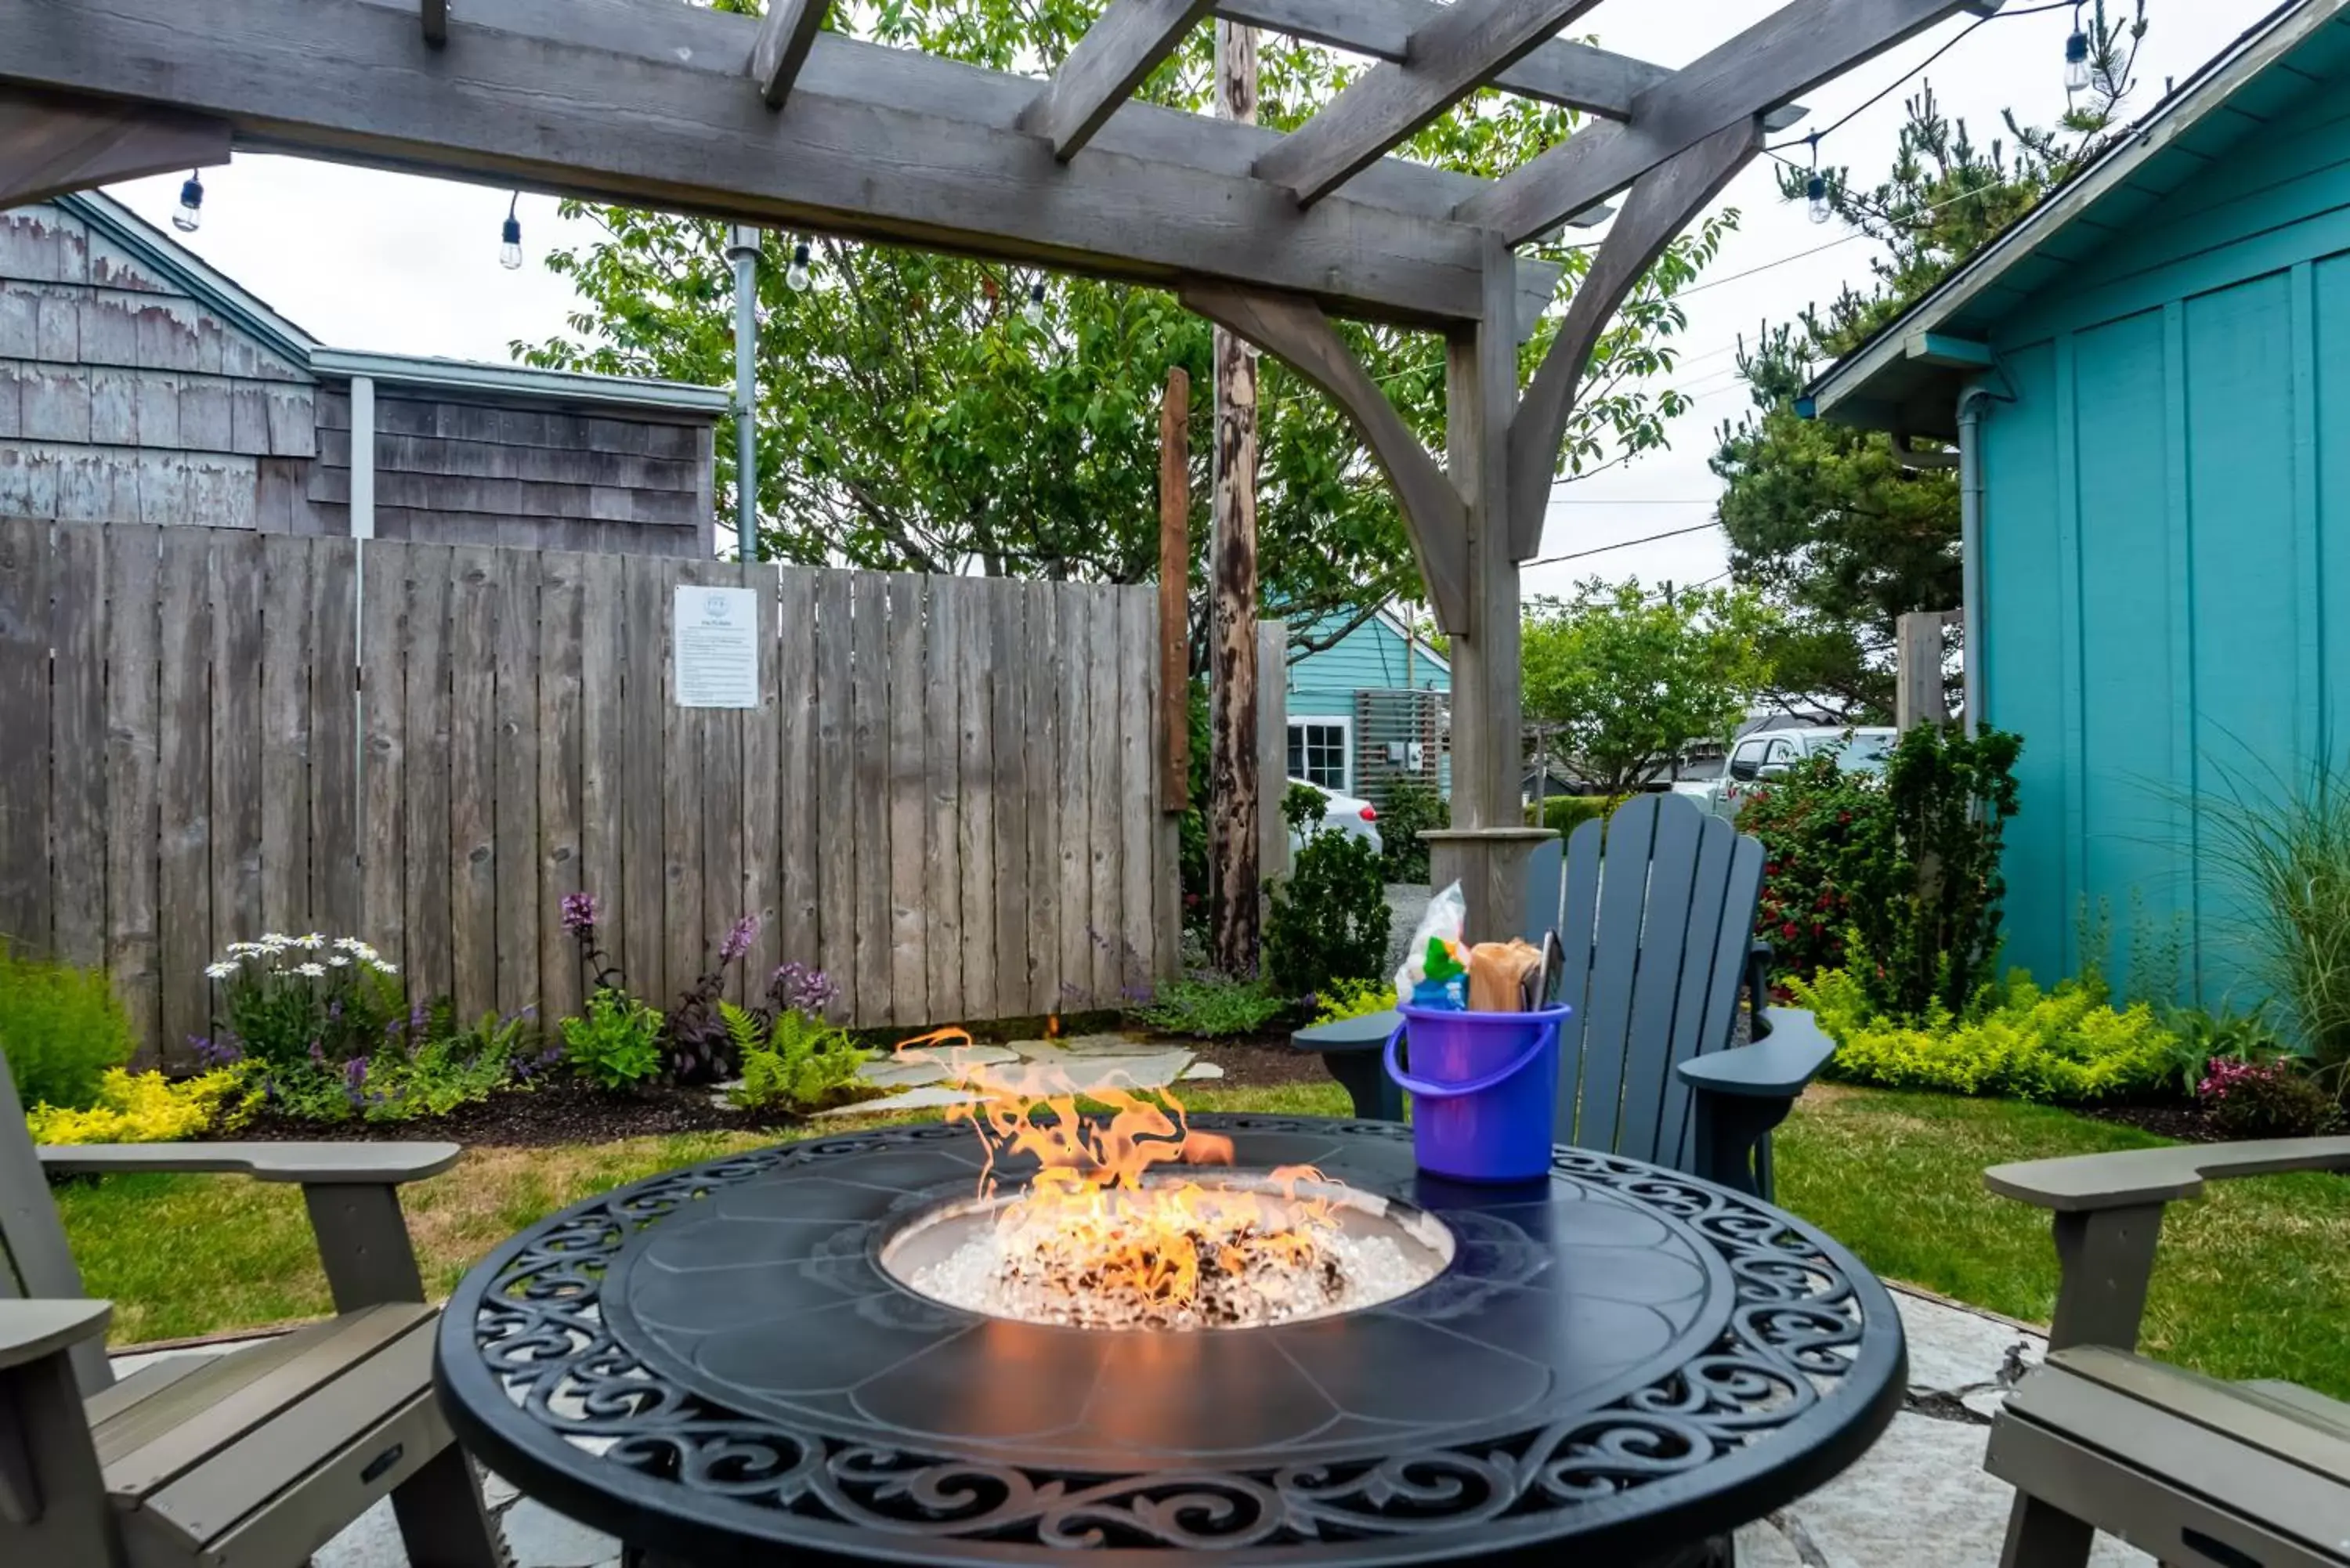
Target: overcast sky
x=396 y=263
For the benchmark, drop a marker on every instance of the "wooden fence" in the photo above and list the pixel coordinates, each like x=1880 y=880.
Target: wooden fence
x=946 y=798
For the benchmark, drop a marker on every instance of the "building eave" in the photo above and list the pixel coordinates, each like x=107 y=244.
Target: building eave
x=522 y=381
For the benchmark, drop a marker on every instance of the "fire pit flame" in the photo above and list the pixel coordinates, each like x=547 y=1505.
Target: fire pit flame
x=1103 y=1237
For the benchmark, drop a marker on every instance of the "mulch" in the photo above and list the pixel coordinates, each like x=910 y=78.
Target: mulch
x=564 y=1111
x=2187 y=1123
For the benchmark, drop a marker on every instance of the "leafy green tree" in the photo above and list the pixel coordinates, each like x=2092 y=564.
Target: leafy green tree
x=1836 y=525
x=1623 y=681
x=911 y=416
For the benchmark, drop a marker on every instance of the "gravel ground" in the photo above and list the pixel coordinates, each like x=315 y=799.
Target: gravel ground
x=1407 y=902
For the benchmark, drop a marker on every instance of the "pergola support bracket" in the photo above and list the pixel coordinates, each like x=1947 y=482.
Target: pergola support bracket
x=50 y=144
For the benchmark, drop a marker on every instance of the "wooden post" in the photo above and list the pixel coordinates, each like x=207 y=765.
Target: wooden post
x=1232 y=784
x=1174 y=592
x=1918 y=695
x=1273 y=747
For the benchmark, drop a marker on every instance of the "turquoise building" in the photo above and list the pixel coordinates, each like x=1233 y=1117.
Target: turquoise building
x=1369 y=710
x=2149 y=384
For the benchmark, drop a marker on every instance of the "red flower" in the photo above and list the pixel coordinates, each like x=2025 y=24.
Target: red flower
x=1787 y=929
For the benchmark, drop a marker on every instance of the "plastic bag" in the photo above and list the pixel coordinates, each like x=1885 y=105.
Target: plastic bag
x=1435 y=962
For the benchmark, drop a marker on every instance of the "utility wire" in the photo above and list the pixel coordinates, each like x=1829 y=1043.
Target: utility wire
x=1621 y=544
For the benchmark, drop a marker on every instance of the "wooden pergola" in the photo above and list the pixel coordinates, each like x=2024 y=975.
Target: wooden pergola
x=658 y=104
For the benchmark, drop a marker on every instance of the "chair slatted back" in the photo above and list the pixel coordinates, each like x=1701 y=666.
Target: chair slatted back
x=35 y=1261
x=1657 y=915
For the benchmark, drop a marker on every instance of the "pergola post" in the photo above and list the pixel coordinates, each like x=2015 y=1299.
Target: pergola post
x=1487 y=845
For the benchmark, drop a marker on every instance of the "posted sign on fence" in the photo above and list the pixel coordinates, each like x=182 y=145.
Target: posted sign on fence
x=717 y=647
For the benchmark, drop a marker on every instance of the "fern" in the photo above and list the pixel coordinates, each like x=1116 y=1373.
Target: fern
x=798 y=1063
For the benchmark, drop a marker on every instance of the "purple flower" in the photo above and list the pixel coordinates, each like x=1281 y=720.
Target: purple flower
x=223 y=1051
x=738 y=939
x=800 y=988
x=579 y=913
x=317 y=1053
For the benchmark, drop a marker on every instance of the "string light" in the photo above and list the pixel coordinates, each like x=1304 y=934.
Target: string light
x=797 y=277
x=1815 y=189
x=191 y=215
x=2077 y=56
x=1033 y=312
x=510 y=237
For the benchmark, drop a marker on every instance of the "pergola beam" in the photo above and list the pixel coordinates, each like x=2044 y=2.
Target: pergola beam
x=623 y=100
x=1793 y=49
x=787 y=32
x=50 y=145
x=1662 y=203
x=1444 y=62
x=1295 y=331
x=1122 y=48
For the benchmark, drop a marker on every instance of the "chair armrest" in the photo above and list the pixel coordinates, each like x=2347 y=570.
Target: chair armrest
x=311 y=1163
x=1361 y=1033
x=1775 y=1067
x=1759 y=955
x=2133 y=1177
x=32 y=1330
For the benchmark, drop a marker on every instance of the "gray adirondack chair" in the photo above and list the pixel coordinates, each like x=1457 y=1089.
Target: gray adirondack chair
x=1656 y=912
x=2197 y=1472
x=258 y=1457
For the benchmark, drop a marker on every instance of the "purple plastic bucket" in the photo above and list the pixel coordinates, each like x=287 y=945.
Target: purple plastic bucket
x=1483 y=1087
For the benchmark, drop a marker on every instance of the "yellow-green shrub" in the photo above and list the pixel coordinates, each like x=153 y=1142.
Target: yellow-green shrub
x=1354 y=999
x=2017 y=1040
x=144 y=1107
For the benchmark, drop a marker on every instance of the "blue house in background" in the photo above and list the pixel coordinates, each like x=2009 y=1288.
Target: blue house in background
x=1370 y=711
x=2148 y=380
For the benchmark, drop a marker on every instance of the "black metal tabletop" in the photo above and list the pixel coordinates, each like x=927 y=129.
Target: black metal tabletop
x=711 y=1363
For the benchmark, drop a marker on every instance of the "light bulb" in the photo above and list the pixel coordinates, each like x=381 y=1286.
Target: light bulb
x=2077 y=62
x=1815 y=191
x=1033 y=311
x=796 y=276
x=191 y=215
x=510 y=249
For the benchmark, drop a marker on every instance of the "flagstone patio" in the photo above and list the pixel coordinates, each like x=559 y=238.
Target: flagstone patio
x=1919 y=1497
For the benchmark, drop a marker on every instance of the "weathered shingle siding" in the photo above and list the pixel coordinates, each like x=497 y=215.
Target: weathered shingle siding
x=121 y=398
x=481 y=471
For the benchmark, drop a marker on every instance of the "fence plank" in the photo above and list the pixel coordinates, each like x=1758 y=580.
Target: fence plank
x=1167 y=851
x=1007 y=658
x=941 y=743
x=869 y=676
x=383 y=751
x=424 y=804
x=1066 y=785
x=27 y=566
x=721 y=731
x=472 y=779
x=683 y=916
x=908 y=813
x=603 y=738
x=796 y=783
x=514 y=821
x=562 y=748
x=1110 y=793
x=1131 y=930
x=333 y=737
x=836 y=788
x=134 y=593
x=634 y=922
x=235 y=591
x=762 y=881
x=183 y=773
x=974 y=633
x=78 y=794
x=285 y=734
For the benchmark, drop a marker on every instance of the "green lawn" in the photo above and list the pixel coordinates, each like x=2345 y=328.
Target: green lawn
x=2252 y=1282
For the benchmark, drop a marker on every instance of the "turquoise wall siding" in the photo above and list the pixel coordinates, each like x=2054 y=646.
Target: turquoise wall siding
x=1372 y=659
x=2167 y=546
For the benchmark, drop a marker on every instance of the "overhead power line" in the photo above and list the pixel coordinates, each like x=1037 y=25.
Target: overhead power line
x=1621 y=544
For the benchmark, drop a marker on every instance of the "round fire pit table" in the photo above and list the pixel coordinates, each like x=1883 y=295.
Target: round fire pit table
x=1621 y=1363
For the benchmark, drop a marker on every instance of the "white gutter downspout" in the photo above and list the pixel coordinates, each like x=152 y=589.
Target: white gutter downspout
x=362 y=457
x=1970 y=505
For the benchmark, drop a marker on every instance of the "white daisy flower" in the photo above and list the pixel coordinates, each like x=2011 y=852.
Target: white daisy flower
x=313 y=969
x=238 y=949
x=362 y=951
x=274 y=941
x=349 y=944
x=340 y=961
x=382 y=968
x=314 y=942
x=218 y=971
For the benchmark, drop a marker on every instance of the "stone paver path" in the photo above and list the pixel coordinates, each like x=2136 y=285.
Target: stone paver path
x=1920 y=1499
x=932 y=1078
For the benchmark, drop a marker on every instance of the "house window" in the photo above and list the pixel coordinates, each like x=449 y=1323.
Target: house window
x=1320 y=752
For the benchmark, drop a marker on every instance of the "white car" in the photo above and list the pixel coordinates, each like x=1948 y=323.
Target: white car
x=1342 y=814
x=1767 y=754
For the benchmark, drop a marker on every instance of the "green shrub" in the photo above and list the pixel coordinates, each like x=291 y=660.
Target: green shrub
x=616 y=1042
x=61 y=1029
x=797 y=1063
x=2266 y=1099
x=1817 y=825
x=1354 y=999
x=1329 y=922
x=2066 y=1045
x=1210 y=1007
x=1303 y=805
x=425 y=1064
x=1562 y=813
x=285 y=1000
x=1412 y=809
